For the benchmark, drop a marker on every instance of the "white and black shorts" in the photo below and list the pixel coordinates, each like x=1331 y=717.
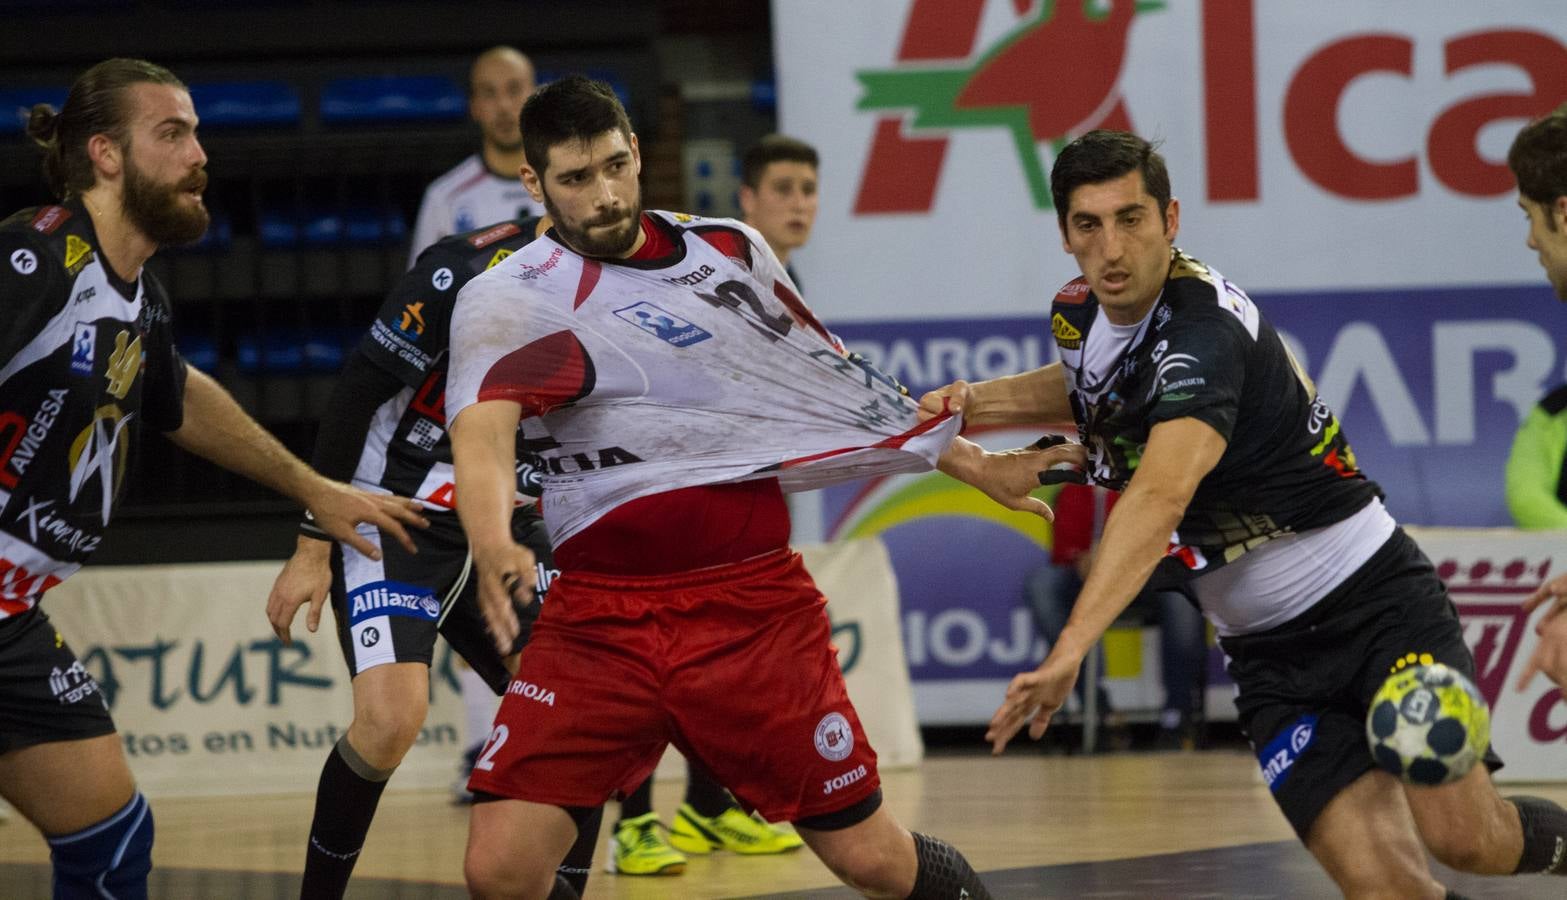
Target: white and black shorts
x=390 y=610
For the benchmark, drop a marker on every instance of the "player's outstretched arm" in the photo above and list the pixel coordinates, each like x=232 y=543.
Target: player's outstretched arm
x=1028 y=398
x=1179 y=454
x=484 y=452
x=306 y=578
x=1011 y=476
x=216 y=428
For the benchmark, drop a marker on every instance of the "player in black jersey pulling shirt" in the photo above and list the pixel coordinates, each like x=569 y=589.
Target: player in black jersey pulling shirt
x=86 y=358
x=1239 y=479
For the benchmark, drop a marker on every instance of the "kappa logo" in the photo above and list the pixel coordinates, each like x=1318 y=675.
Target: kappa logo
x=24 y=261
x=1055 y=74
x=666 y=326
x=442 y=279
x=1067 y=336
x=834 y=738
x=370 y=637
x=78 y=253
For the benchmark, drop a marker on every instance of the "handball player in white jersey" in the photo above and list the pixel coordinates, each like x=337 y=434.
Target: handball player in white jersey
x=674 y=385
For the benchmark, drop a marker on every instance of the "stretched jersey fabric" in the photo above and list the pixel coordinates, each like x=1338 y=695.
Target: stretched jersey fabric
x=86 y=359
x=464 y=199
x=1205 y=351
x=407 y=449
x=646 y=376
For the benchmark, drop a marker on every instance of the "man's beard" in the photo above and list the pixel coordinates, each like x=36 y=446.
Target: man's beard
x=616 y=243
x=158 y=210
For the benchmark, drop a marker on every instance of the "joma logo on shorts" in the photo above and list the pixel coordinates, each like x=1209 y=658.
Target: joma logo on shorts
x=839 y=782
x=532 y=692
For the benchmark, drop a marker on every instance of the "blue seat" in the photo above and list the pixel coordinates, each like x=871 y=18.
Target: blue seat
x=392 y=98
x=246 y=103
x=17 y=103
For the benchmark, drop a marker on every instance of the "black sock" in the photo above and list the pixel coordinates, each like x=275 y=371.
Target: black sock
x=578 y=863
x=943 y=872
x=639 y=802
x=346 y=799
x=705 y=795
x=1544 y=836
x=563 y=889
x=1454 y=895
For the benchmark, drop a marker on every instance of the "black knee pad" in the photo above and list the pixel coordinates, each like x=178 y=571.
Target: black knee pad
x=943 y=873
x=1544 y=836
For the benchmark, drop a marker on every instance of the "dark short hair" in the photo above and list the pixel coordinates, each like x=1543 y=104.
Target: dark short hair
x=1102 y=155
x=96 y=104
x=1538 y=158
x=771 y=149
x=575 y=108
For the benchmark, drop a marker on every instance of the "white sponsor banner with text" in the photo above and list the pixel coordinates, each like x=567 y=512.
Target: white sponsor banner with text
x=1313 y=146
x=208 y=701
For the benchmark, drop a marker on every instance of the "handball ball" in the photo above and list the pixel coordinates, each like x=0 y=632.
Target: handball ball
x=1428 y=725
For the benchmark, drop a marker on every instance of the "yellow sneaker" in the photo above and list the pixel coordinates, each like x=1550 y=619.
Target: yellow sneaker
x=640 y=848
x=730 y=830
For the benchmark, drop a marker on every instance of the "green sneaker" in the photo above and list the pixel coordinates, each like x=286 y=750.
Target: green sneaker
x=640 y=848
x=730 y=830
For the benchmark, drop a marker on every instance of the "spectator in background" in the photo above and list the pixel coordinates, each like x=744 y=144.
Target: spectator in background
x=778 y=194
x=1538 y=159
x=1536 y=491
x=486 y=186
x=1052 y=589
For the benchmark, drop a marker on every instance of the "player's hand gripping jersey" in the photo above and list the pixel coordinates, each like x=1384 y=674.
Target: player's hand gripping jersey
x=407 y=449
x=85 y=360
x=698 y=368
x=1205 y=351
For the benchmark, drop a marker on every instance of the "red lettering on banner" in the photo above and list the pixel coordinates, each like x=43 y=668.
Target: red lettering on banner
x=1452 y=145
x=902 y=172
x=1540 y=727
x=1229 y=65
x=1311 y=128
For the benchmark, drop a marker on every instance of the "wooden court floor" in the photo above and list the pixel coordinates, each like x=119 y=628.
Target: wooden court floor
x=1045 y=826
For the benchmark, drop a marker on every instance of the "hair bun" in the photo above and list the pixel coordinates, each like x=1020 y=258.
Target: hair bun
x=43 y=123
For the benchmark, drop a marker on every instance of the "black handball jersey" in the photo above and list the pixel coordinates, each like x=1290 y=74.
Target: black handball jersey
x=86 y=360
x=1206 y=351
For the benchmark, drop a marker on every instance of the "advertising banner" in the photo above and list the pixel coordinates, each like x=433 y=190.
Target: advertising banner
x=1342 y=162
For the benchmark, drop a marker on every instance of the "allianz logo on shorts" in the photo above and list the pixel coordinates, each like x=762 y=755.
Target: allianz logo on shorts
x=834 y=737
x=1279 y=757
x=381 y=598
x=71 y=684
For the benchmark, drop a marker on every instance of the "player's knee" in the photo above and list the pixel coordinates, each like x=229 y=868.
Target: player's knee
x=111 y=858
x=384 y=732
x=492 y=871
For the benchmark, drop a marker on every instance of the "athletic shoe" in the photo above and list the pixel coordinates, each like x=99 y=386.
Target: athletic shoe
x=639 y=847
x=460 y=793
x=730 y=830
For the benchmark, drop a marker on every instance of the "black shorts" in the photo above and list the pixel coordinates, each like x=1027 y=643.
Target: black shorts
x=45 y=692
x=1303 y=688
x=390 y=610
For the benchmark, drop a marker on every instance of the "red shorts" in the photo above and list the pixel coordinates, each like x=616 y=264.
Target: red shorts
x=732 y=664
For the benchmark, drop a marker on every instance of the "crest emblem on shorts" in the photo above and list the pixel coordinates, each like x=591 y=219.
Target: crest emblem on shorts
x=834 y=737
x=666 y=326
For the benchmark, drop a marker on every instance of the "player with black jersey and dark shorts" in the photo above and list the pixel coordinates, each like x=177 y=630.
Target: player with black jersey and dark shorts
x=1239 y=479
x=385 y=430
x=87 y=361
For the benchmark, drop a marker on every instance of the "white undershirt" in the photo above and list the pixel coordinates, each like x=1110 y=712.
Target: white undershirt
x=1286 y=576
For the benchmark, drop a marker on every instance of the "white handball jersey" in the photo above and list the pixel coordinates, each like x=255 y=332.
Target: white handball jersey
x=468 y=197
x=700 y=368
